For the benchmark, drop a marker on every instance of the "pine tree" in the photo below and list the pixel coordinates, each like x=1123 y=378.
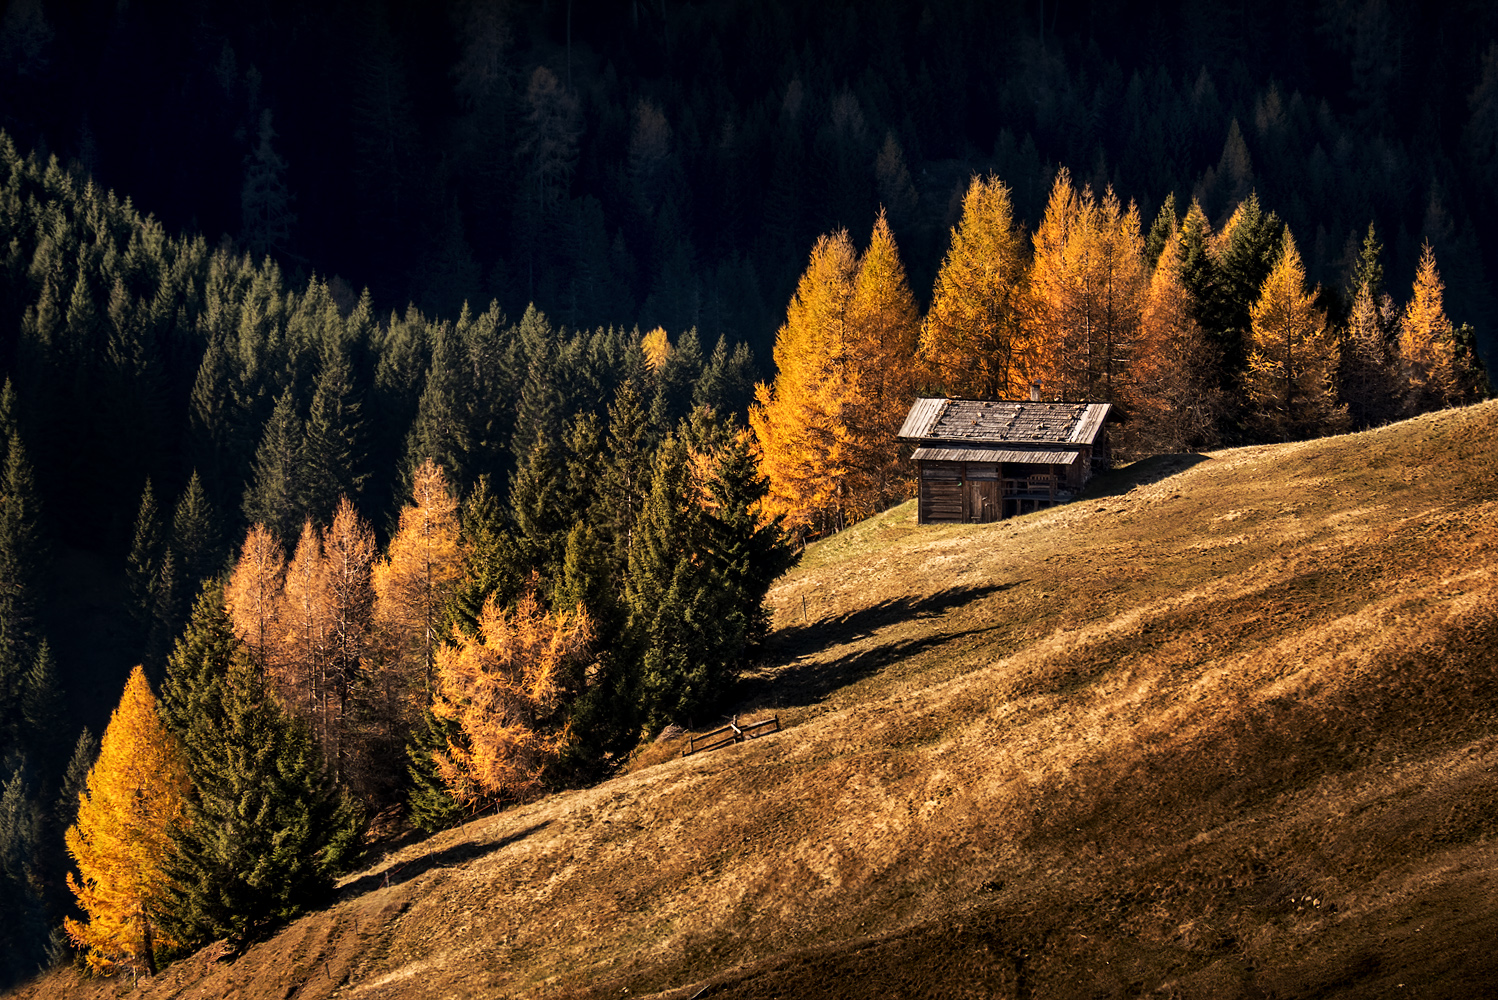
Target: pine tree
x=23 y=932
x=143 y=566
x=42 y=706
x=1243 y=254
x=748 y=552
x=194 y=538
x=686 y=635
x=429 y=802
x=21 y=555
x=492 y=563
x=627 y=478
x=275 y=495
x=973 y=339
x=1370 y=381
x=265 y=202
x=336 y=463
x=1162 y=231
x=135 y=795
x=1292 y=366
x=266 y=827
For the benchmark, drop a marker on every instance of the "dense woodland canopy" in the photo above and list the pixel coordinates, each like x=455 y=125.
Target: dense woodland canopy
x=384 y=380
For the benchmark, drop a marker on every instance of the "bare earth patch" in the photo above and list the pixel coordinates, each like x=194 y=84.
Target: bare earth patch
x=1225 y=727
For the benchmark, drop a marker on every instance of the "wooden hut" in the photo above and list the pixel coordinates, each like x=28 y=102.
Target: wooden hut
x=984 y=460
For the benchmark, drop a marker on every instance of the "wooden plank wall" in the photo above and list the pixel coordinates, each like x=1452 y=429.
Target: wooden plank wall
x=941 y=500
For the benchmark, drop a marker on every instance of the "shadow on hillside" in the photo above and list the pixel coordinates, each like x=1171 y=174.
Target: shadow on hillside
x=799 y=683
x=1145 y=472
x=802 y=637
x=448 y=857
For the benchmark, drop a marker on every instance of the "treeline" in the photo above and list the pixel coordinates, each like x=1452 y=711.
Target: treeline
x=339 y=534
x=1197 y=336
x=669 y=163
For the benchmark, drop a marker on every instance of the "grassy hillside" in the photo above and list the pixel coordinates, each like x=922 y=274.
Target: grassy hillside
x=1225 y=728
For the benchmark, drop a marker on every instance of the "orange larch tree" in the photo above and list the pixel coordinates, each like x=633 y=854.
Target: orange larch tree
x=253 y=594
x=1087 y=290
x=1291 y=381
x=1428 y=360
x=885 y=333
x=1175 y=400
x=135 y=794
x=507 y=687
x=799 y=419
x=412 y=585
x=973 y=339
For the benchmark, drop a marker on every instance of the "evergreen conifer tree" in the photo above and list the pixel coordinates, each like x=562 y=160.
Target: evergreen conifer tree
x=23 y=932
x=336 y=463
x=194 y=538
x=275 y=496
x=266 y=827
x=143 y=565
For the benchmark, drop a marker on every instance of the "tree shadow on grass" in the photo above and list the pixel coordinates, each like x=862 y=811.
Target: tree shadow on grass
x=1145 y=472
x=448 y=857
x=800 y=683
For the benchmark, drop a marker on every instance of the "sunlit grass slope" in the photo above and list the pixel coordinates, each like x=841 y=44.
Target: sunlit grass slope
x=1224 y=728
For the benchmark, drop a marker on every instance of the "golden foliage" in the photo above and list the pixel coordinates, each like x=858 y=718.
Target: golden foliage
x=885 y=333
x=973 y=337
x=505 y=687
x=253 y=595
x=1293 y=357
x=412 y=585
x=1427 y=351
x=1088 y=285
x=1174 y=398
x=657 y=348
x=134 y=796
x=799 y=420
x=844 y=380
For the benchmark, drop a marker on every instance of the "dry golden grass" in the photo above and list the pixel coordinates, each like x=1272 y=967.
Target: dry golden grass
x=1225 y=728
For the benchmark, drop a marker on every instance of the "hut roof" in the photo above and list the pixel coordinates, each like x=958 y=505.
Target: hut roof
x=965 y=423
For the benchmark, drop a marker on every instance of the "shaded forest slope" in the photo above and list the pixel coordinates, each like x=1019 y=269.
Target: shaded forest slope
x=1226 y=728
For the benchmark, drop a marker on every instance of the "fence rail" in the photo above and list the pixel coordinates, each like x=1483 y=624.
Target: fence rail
x=731 y=733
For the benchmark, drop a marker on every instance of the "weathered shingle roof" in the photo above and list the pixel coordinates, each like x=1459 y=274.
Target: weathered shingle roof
x=1035 y=456
x=975 y=421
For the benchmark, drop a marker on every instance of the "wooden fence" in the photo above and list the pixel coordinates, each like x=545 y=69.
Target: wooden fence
x=731 y=733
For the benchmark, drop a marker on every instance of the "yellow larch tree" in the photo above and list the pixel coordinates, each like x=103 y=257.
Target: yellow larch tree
x=1087 y=284
x=506 y=687
x=412 y=585
x=799 y=419
x=1174 y=399
x=1291 y=381
x=134 y=796
x=1428 y=360
x=973 y=339
x=884 y=326
x=253 y=594
x=298 y=662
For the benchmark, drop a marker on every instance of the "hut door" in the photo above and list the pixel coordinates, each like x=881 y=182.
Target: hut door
x=983 y=500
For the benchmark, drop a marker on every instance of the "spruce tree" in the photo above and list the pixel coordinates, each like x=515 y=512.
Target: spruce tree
x=336 y=463
x=492 y=562
x=685 y=637
x=23 y=932
x=143 y=565
x=430 y=804
x=267 y=828
x=194 y=538
x=748 y=554
x=275 y=495
x=1162 y=230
